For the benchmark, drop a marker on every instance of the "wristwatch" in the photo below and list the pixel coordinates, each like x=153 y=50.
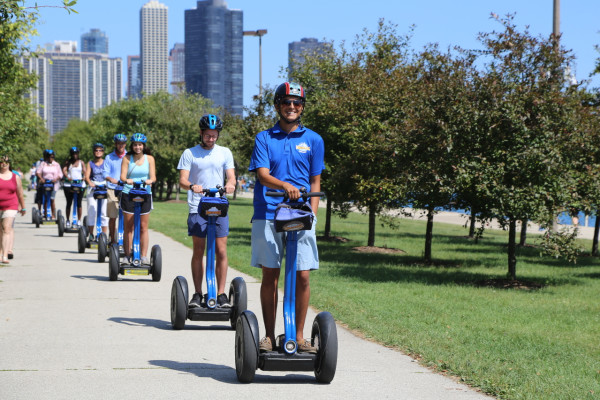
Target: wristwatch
x=192 y=187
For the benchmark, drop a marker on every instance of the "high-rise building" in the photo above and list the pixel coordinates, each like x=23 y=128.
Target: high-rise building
x=214 y=54
x=306 y=46
x=177 y=58
x=72 y=85
x=134 y=77
x=154 y=48
x=95 y=41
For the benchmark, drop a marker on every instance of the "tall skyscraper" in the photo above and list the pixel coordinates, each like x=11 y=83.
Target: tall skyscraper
x=95 y=41
x=306 y=46
x=73 y=85
x=154 y=47
x=214 y=54
x=134 y=77
x=177 y=58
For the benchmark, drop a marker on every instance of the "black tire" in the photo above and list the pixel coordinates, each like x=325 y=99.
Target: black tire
x=60 y=220
x=81 y=241
x=156 y=263
x=38 y=218
x=33 y=215
x=113 y=263
x=324 y=337
x=179 y=302
x=238 y=297
x=102 y=247
x=246 y=346
x=85 y=221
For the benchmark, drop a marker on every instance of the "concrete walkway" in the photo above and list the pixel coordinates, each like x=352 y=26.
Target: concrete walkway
x=68 y=332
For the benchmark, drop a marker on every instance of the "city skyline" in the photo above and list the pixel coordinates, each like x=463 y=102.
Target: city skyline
x=154 y=47
x=439 y=21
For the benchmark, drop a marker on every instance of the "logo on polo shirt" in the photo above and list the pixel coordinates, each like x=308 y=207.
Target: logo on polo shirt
x=302 y=147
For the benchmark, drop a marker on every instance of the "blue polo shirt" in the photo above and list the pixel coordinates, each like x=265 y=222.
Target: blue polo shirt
x=292 y=158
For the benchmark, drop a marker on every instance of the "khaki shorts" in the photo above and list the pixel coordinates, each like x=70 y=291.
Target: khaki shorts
x=112 y=205
x=8 y=214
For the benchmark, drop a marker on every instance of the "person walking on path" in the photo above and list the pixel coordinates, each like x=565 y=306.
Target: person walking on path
x=286 y=157
x=138 y=165
x=12 y=202
x=204 y=167
x=112 y=174
x=94 y=175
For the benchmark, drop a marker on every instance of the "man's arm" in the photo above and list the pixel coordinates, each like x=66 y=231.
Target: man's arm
x=315 y=186
x=265 y=178
x=230 y=180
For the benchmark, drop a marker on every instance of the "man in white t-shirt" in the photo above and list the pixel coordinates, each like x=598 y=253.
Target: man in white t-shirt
x=204 y=167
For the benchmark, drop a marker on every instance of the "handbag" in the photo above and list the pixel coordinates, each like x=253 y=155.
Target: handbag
x=213 y=206
x=293 y=217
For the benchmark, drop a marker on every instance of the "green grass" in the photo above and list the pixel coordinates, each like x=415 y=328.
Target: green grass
x=510 y=343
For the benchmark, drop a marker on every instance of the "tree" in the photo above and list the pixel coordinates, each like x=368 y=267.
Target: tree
x=517 y=163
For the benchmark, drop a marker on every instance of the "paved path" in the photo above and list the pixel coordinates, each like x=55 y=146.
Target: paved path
x=67 y=332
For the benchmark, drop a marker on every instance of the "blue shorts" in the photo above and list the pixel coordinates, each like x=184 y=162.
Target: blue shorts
x=198 y=226
x=268 y=246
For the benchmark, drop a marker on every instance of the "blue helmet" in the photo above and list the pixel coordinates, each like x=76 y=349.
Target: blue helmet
x=210 y=121
x=97 y=145
x=138 y=137
x=119 y=137
x=48 y=152
x=74 y=150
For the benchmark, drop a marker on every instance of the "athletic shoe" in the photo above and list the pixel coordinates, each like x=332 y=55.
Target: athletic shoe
x=196 y=300
x=68 y=224
x=306 y=347
x=265 y=344
x=223 y=301
x=91 y=238
x=145 y=261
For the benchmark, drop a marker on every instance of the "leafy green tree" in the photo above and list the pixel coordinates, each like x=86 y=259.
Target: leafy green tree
x=517 y=162
x=77 y=133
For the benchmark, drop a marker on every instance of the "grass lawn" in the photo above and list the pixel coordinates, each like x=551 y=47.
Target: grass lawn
x=512 y=343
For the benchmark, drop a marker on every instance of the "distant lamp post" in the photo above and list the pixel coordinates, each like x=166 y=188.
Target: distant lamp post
x=260 y=33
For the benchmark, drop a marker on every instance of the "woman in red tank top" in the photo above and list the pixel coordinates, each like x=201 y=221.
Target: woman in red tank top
x=11 y=203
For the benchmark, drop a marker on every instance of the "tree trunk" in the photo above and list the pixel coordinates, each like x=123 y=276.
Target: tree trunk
x=328 y=210
x=472 y=227
x=512 y=249
x=428 y=235
x=371 y=239
x=596 y=231
x=177 y=190
x=523 y=237
x=169 y=189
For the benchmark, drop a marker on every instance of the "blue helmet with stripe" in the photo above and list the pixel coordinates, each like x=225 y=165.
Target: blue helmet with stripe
x=210 y=121
x=138 y=137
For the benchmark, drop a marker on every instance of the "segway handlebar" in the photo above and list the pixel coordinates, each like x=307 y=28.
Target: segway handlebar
x=211 y=192
x=303 y=194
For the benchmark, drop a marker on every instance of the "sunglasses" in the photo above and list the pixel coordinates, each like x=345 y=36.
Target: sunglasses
x=98 y=149
x=288 y=102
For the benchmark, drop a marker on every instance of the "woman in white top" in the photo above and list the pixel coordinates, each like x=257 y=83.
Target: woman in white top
x=73 y=170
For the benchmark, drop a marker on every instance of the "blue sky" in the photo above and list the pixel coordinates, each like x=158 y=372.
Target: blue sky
x=447 y=22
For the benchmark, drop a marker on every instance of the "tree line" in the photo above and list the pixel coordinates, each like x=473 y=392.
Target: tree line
x=500 y=131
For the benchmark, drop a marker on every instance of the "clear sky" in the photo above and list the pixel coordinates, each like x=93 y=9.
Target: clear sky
x=447 y=22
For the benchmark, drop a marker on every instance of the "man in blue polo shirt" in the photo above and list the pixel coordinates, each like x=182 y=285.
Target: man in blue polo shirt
x=112 y=174
x=286 y=157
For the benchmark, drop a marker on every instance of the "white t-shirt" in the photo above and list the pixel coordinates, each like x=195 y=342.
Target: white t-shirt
x=207 y=168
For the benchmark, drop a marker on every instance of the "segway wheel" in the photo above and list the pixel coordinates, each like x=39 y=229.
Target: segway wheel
x=113 y=263
x=33 y=215
x=179 y=301
x=324 y=337
x=102 y=247
x=38 y=218
x=60 y=220
x=238 y=296
x=84 y=223
x=156 y=263
x=81 y=241
x=246 y=346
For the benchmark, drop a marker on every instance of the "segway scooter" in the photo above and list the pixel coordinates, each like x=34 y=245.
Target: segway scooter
x=76 y=188
x=99 y=240
x=137 y=195
x=292 y=216
x=210 y=207
x=46 y=217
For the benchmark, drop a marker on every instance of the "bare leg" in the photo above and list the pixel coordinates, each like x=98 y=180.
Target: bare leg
x=268 y=299
x=197 y=262
x=302 y=300
x=222 y=263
